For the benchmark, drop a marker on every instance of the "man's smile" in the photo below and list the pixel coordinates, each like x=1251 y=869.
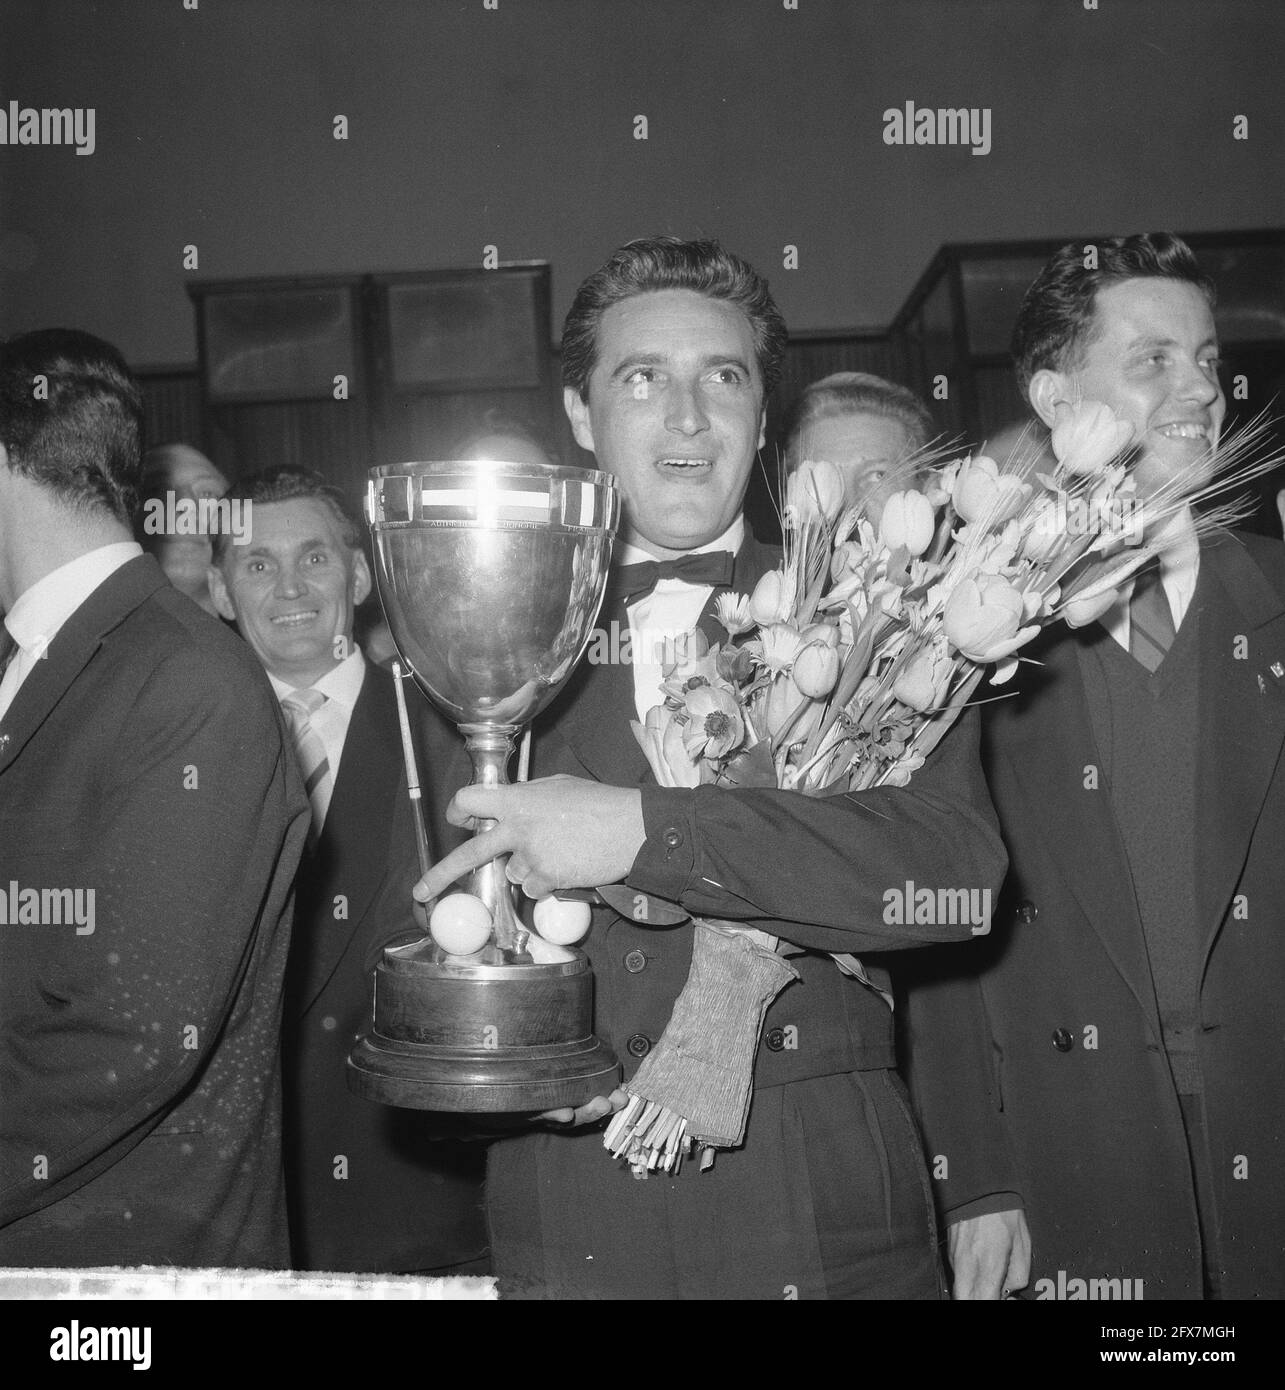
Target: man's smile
x=296 y=619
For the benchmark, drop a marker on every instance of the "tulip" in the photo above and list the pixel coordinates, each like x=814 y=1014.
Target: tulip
x=782 y=702
x=939 y=483
x=1045 y=532
x=908 y=522
x=924 y=679
x=773 y=598
x=814 y=493
x=816 y=670
x=821 y=632
x=902 y=771
x=1080 y=612
x=714 y=725
x=983 y=494
x=982 y=619
x=1086 y=436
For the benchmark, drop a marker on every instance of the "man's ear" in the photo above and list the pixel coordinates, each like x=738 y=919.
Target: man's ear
x=361 y=580
x=219 y=593
x=578 y=413
x=1047 y=390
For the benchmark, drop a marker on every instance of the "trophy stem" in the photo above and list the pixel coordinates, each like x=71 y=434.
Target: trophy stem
x=490 y=746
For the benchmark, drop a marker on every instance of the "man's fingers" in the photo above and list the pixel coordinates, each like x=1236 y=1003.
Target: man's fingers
x=590 y=1112
x=472 y=854
x=472 y=803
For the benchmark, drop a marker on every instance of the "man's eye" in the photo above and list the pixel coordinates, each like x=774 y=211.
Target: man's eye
x=318 y=557
x=640 y=374
x=731 y=376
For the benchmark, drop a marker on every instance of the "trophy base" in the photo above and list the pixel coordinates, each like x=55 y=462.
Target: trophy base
x=464 y=1037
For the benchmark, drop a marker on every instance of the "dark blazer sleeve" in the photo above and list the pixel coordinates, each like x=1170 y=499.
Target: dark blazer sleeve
x=949 y=1060
x=201 y=825
x=817 y=868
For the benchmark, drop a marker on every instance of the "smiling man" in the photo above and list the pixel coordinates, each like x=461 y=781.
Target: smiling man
x=370 y=1189
x=1135 y=977
x=669 y=352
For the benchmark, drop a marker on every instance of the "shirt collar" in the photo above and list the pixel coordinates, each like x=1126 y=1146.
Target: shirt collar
x=1179 y=546
x=731 y=539
x=342 y=683
x=39 y=612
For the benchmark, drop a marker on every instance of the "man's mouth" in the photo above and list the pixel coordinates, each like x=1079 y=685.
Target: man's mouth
x=1184 y=429
x=683 y=466
x=295 y=619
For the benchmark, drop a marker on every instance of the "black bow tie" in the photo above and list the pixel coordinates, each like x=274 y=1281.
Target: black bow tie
x=701 y=567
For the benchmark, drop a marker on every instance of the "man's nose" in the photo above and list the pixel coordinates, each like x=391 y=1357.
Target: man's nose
x=1200 y=385
x=686 y=412
x=290 y=583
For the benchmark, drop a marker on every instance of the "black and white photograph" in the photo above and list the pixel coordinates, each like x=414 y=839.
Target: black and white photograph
x=642 y=658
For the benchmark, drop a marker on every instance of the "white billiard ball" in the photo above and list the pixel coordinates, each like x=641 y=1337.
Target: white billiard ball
x=461 y=924
x=562 y=922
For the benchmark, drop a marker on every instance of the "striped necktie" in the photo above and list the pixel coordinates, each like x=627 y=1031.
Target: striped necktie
x=1151 y=629
x=300 y=706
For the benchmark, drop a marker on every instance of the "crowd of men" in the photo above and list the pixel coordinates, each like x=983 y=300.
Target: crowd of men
x=1089 y=1092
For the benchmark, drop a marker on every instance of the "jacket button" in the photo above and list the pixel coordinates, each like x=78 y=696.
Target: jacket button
x=775 y=1039
x=639 y=1045
x=1063 y=1040
x=635 y=961
x=673 y=837
x=1027 y=911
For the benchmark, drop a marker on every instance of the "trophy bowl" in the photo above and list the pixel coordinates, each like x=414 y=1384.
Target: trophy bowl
x=491 y=575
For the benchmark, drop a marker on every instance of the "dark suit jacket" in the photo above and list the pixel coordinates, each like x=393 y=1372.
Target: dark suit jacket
x=810 y=870
x=1091 y=1134
x=371 y=1188
x=140 y=1083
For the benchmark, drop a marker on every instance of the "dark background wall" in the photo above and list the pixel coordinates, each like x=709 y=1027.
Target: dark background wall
x=514 y=127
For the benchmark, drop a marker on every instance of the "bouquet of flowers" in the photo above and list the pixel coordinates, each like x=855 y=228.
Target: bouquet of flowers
x=849 y=663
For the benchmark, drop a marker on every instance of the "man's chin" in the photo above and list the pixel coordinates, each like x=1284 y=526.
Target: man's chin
x=1174 y=473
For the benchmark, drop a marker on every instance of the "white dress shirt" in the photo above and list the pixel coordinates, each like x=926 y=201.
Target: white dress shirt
x=1179 y=569
x=672 y=608
x=340 y=685
x=40 y=611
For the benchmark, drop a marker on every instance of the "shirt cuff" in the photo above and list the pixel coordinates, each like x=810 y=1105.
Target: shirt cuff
x=667 y=860
x=985 y=1206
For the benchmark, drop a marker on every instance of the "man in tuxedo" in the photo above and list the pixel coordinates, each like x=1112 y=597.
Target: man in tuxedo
x=151 y=821
x=1126 y=1074
x=371 y=1189
x=669 y=353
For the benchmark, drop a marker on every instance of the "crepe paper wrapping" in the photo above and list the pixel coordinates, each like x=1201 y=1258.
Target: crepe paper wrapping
x=697 y=1083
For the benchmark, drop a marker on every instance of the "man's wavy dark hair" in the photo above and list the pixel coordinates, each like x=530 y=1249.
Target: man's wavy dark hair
x=71 y=419
x=669 y=263
x=284 y=483
x=1057 y=319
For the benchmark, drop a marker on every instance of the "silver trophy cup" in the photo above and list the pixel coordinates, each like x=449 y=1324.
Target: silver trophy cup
x=491 y=576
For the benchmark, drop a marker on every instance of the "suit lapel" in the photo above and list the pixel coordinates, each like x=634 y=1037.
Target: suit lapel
x=591 y=717
x=1241 y=719
x=1051 y=751
x=72 y=649
x=350 y=858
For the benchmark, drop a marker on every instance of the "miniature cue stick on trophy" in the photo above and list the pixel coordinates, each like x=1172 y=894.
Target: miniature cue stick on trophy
x=491 y=575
